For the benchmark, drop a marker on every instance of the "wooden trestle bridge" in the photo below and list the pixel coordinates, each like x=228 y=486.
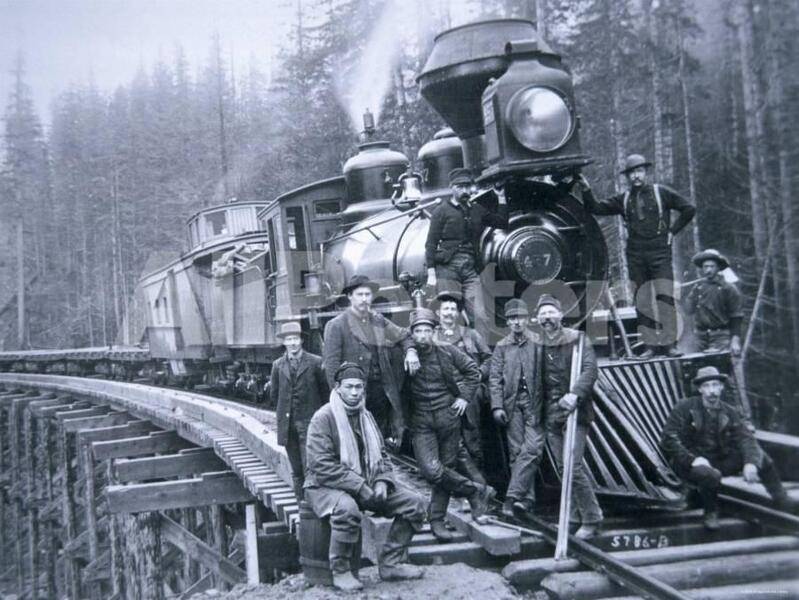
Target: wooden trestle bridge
x=118 y=490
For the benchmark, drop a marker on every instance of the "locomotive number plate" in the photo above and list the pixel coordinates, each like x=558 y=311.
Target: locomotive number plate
x=636 y=541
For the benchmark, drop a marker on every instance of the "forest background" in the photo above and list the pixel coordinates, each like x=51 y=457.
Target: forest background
x=707 y=88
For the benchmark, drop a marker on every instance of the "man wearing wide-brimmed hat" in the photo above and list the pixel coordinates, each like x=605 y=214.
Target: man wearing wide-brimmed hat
x=646 y=210
x=450 y=330
x=715 y=305
x=297 y=387
x=705 y=439
x=367 y=338
x=451 y=250
x=517 y=404
x=440 y=393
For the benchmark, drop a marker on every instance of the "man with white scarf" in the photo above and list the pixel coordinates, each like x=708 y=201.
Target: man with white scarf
x=348 y=471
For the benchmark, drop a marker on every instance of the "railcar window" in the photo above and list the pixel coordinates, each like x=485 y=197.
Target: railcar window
x=325 y=209
x=216 y=223
x=157 y=315
x=295 y=228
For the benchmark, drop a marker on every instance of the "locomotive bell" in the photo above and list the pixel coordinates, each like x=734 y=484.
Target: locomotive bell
x=530 y=121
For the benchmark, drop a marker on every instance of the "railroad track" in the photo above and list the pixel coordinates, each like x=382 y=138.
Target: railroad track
x=126 y=450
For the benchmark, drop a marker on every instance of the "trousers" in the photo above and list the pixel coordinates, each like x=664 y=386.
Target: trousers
x=405 y=506
x=526 y=438
x=584 y=506
x=712 y=340
x=378 y=404
x=652 y=273
x=436 y=443
x=462 y=269
x=295 y=449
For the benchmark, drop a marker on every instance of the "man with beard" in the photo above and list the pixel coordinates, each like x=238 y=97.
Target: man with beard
x=558 y=343
x=705 y=439
x=451 y=251
x=646 y=210
x=298 y=388
x=440 y=393
x=348 y=472
x=450 y=331
x=517 y=404
x=367 y=338
x=715 y=305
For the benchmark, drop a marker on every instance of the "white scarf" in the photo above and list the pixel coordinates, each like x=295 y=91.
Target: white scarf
x=372 y=438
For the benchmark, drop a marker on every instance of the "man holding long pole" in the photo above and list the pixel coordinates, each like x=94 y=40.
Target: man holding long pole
x=565 y=394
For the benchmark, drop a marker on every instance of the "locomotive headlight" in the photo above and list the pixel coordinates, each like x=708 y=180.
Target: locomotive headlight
x=540 y=118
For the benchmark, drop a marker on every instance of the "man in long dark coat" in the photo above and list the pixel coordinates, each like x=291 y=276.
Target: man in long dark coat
x=298 y=387
x=561 y=397
x=646 y=210
x=517 y=404
x=367 y=338
x=349 y=472
x=705 y=439
x=440 y=392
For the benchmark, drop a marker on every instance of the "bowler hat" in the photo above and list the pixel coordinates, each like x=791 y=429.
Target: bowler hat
x=423 y=316
x=447 y=296
x=460 y=175
x=357 y=281
x=516 y=308
x=349 y=370
x=708 y=374
x=711 y=254
x=548 y=299
x=290 y=328
x=633 y=162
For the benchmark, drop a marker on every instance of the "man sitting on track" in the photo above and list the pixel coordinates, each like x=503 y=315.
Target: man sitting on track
x=348 y=472
x=705 y=439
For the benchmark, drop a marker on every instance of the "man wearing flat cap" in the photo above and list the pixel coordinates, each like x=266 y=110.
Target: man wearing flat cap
x=349 y=471
x=451 y=251
x=646 y=211
x=518 y=405
x=367 y=338
x=704 y=439
x=448 y=305
x=715 y=305
x=440 y=393
x=298 y=387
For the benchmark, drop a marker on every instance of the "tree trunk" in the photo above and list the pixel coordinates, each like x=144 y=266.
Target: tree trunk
x=775 y=78
x=753 y=121
x=689 y=141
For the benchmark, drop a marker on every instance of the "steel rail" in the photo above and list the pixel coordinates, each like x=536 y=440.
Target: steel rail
x=602 y=562
x=770 y=517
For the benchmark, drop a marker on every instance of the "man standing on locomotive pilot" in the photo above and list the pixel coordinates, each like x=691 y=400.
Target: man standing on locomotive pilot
x=298 y=388
x=367 y=338
x=715 y=305
x=646 y=210
x=349 y=472
x=440 y=393
x=451 y=250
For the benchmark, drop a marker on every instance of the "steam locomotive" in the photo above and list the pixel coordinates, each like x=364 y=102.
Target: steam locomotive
x=212 y=314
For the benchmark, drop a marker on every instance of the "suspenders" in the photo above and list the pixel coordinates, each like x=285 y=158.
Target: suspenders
x=658 y=201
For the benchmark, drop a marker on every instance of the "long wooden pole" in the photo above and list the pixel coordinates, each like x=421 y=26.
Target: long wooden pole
x=20 y=287
x=568 y=457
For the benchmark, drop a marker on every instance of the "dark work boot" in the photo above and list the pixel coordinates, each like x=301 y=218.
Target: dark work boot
x=480 y=500
x=339 y=557
x=440 y=531
x=711 y=520
x=507 y=507
x=671 y=351
x=390 y=563
x=646 y=354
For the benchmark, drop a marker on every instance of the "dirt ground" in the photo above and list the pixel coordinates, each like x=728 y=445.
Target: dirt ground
x=452 y=582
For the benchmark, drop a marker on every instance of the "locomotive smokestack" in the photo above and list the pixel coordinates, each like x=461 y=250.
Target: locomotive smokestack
x=462 y=63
